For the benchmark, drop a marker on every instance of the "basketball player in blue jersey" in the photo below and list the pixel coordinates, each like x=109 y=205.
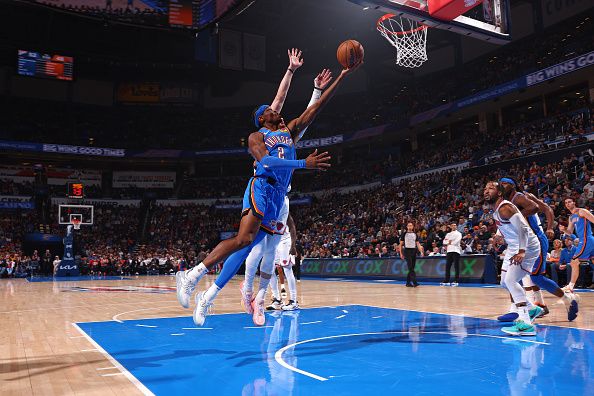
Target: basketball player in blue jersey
x=530 y=206
x=273 y=149
x=271 y=248
x=580 y=223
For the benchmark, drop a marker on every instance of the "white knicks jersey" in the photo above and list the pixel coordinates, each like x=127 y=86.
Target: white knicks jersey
x=510 y=233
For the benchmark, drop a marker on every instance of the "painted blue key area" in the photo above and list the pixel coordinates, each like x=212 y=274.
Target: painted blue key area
x=348 y=350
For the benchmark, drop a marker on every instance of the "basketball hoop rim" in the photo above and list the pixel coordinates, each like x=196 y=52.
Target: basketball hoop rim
x=380 y=27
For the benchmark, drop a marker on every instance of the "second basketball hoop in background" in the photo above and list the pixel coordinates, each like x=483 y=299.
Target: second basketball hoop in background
x=349 y=53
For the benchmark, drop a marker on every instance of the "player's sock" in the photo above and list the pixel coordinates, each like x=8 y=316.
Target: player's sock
x=530 y=298
x=234 y=261
x=251 y=266
x=513 y=308
x=290 y=277
x=524 y=315
x=274 y=287
x=211 y=293
x=197 y=272
x=538 y=298
x=571 y=285
x=262 y=289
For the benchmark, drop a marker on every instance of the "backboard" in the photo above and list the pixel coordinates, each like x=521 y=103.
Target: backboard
x=490 y=21
x=67 y=213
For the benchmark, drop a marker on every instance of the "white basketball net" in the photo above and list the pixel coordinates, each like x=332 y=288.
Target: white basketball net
x=409 y=37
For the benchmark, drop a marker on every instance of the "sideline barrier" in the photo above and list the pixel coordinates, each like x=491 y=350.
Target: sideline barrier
x=473 y=268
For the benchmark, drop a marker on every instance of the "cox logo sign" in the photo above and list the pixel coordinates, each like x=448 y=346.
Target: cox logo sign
x=369 y=268
x=337 y=267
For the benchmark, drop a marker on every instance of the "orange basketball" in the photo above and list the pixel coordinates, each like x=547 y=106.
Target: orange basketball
x=349 y=53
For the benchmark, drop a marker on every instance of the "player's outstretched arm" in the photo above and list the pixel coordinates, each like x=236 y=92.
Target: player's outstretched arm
x=295 y=62
x=304 y=120
x=257 y=149
x=548 y=212
x=320 y=82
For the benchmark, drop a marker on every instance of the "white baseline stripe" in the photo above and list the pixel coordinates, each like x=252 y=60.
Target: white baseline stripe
x=145 y=391
x=306 y=323
x=278 y=356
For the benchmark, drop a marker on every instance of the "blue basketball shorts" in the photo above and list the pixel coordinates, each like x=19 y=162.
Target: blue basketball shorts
x=585 y=250
x=539 y=266
x=265 y=201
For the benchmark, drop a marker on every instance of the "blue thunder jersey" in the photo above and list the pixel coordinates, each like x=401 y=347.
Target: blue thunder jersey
x=533 y=221
x=582 y=227
x=279 y=144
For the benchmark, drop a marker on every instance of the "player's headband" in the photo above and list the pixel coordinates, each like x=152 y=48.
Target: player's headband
x=258 y=113
x=507 y=180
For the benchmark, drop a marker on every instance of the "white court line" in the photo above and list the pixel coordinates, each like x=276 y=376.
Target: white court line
x=257 y=327
x=306 y=323
x=143 y=325
x=115 y=317
x=177 y=334
x=345 y=311
x=111 y=374
x=105 y=368
x=89 y=350
x=340 y=317
x=376 y=317
x=117 y=364
x=278 y=356
x=196 y=328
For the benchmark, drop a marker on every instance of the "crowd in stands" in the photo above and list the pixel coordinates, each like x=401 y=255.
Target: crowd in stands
x=358 y=224
x=131 y=11
x=363 y=223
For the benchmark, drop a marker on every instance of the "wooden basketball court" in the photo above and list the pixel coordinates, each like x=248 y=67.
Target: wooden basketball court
x=43 y=353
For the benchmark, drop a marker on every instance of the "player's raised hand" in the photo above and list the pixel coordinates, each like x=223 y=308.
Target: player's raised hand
x=318 y=161
x=323 y=79
x=351 y=69
x=295 y=59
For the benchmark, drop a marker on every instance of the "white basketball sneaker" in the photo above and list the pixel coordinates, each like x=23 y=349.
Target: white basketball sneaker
x=184 y=288
x=275 y=305
x=202 y=310
x=291 y=306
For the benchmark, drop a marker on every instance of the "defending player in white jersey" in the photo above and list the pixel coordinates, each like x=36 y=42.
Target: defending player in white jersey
x=284 y=260
x=265 y=251
x=523 y=248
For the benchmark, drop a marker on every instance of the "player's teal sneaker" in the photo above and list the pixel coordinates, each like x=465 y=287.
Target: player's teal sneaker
x=535 y=312
x=520 y=328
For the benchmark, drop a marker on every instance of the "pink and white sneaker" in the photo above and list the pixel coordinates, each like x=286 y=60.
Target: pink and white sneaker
x=246 y=300
x=258 y=315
